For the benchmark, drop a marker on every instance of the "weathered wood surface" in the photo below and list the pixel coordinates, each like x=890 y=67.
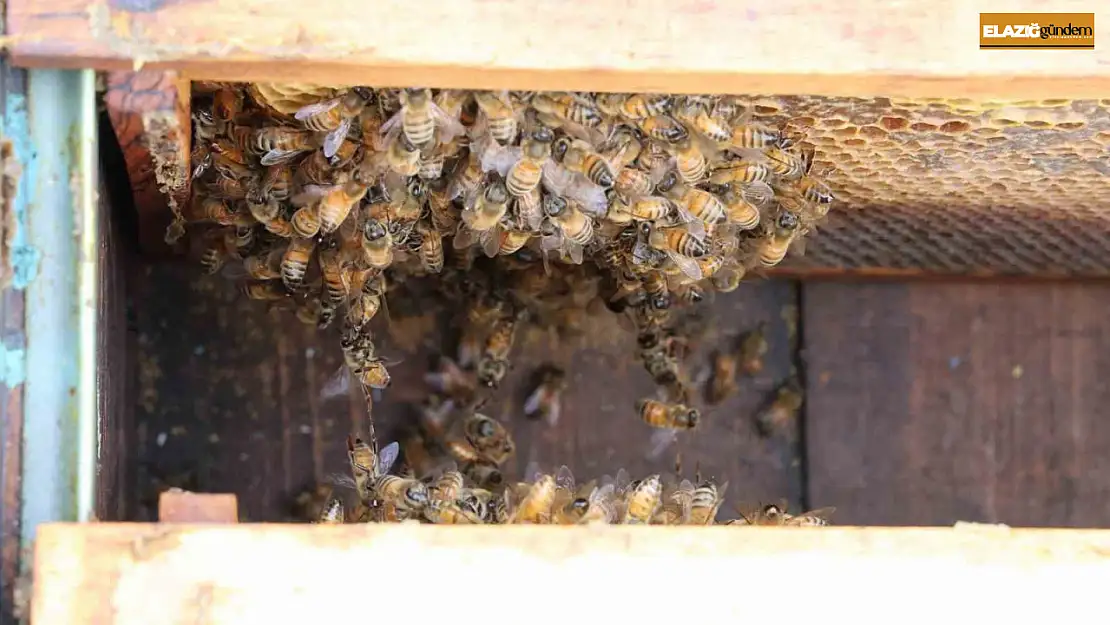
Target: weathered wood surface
x=228 y=398
x=150 y=114
x=919 y=48
x=159 y=574
x=179 y=506
x=932 y=403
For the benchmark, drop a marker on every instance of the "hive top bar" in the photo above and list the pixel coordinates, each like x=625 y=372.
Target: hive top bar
x=919 y=49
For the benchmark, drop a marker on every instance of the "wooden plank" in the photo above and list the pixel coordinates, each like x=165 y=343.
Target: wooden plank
x=157 y=574
x=918 y=48
x=932 y=403
x=179 y=506
x=150 y=113
x=229 y=397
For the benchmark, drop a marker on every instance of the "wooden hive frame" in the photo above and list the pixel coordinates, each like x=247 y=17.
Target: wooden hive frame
x=919 y=50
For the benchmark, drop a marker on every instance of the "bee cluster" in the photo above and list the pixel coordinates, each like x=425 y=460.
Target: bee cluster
x=457 y=497
x=323 y=200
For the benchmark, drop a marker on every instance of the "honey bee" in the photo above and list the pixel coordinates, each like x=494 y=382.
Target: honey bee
x=488 y=438
x=335 y=117
x=403 y=156
x=692 y=203
x=639 y=106
x=280 y=144
x=432 y=161
x=545 y=400
x=484 y=474
x=574 y=228
x=332 y=513
x=738 y=211
x=447 y=487
x=466 y=179
x=332 y=204
x=227 y=103
x=377 y=244
x=210 y=209
x=368 y=465
x=366 y=303
x=508 y=241
x=697 y=116
x=754 y=137
x=264 y=291
x=366 y=368
x=622 y=149
x=420 y=117
x=487 y=211
x=568 y=108
x=264 y=266
x=579 y=157
x=494 y=362
x=776 y=515
x=773 y=249
x=431 y=247
x=408 y=496
x=535 y=506
x=673 y=416
x=316 y=312
x=664 y=128
x=634 y=183
x=675 y=508
x=447 y=377
x=294 y=262
x=788 y=165
x=306 y=222
x=753 y=347
x=642 y=501
x=815 y=191
x=722 y=382
x=690 y=161
x=679 y=245
x=740 y=172
x=277 y=183
x=501 y=119
x=466 y=510
x=705 y=501
x=782 y=410
x=228 y=188
x=524 y=175
x=336 y=285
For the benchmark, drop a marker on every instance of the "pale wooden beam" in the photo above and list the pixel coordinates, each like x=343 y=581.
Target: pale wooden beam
x=157 y=574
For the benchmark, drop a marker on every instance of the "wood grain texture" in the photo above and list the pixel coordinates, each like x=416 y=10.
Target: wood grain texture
x=932 y=403
x=229 y=399
x=150 y=113
x=158 y=574
x=918 y=48
x=179 y=506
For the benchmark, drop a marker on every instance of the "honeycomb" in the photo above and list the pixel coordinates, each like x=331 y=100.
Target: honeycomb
x=957 y=186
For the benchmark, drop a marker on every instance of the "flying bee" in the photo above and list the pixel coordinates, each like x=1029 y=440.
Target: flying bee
x=568 y=108
x=642 y=501
x=782 y=410
x=722 y=382
x=501 y=119
x=753 y=347
x=773 y=249
x=575 y=228
x=494 y=362
x=705 y=502
x=420 y=117
x=738 y=211
x=754 y=137
x=787 y=164
x=407 y=495
x=692 y=203
x=264 y=291
x=579 y=157
x=377 y=244
x=335 y=117
x=671 y=416
x=294 y=262
x=280 y=144
x=697 y=116
x=367 y=465
x=431 y=247
x=664 y=128
x=535 y=506
x=545 y=400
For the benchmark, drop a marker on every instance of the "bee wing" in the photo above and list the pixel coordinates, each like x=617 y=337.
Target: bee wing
x=589 y=195
x=621 y=481
x=534 y=402
x=315 y=109
x=392 y=125
x=449 y=127
x=340 y=479
x=551 y=241
x=277 y=157
x=564 y=478
x=495 y=157
x=575 y=251
x=532 y=472
x=554 y=409
x=687 y=265
x=387 y=456
x=338 y=385
x=820 y=513
x=556 y=178
x=758 y=193
x=660 y=440
x=309 y=194
x=336 y=138
x=491 y=241
x=464 y=237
